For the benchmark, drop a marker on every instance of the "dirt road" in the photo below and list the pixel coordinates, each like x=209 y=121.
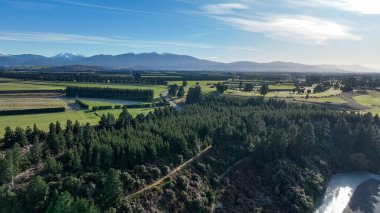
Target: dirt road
x=174 y=171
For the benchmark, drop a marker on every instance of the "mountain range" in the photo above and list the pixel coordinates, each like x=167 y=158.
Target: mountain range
x=167 y=61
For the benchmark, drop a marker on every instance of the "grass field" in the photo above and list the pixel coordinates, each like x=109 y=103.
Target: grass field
x=107 y=102
x=287 y=95
x=284 y=86
x=29 y=103
x=371 y=100
x=43 y=120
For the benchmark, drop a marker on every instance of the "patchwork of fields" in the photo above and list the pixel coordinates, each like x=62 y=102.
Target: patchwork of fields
x=51 y=100
x=9 y=85
x=370 y=99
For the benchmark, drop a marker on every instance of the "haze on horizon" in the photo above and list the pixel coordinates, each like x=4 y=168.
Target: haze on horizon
x=309 y=31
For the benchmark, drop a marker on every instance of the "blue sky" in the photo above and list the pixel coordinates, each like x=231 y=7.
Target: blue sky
x=305 y=31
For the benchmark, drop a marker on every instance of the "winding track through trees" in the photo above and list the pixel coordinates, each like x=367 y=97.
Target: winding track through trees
x=174 y=171
x=166 y=96
x=215 y=204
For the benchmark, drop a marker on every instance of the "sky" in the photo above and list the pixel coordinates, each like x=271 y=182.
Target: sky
x=303 y=31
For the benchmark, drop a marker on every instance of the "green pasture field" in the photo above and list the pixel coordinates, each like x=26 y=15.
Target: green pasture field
x=371 y=100
x=30 y=103
x=287 y=95
x=43 y=120
x=104 y=102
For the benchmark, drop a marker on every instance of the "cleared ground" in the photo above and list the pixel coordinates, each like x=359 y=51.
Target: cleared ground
x=334 y=99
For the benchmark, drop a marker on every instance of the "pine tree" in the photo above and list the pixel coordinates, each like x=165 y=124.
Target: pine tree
x=62 y=204
x=37 y=193
x=36 y=151
x=125 y=119
x=181 y=92
x=53 y=166
x=8 y=137
x=113 y=188
x=20 y=136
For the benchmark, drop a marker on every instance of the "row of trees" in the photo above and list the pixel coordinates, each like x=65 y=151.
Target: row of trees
x=115 y=93
x=32 y=111
x=83 y=77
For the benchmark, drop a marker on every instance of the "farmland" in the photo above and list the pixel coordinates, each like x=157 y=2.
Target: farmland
x=370 y=100
x=30 y=103
x=47 y=100
x=167 y=142
x=43 y=120
x=42 y=85
x=31 y=100
x=107 y=102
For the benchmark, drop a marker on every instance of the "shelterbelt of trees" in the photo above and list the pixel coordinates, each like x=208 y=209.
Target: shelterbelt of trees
x=82 y=77
x=115 y=93
x=293 y=149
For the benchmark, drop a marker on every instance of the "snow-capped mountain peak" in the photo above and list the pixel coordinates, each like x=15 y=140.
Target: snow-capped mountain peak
x=68 y=55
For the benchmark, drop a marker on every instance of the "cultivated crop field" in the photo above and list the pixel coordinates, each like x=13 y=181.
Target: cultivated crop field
x=30 y=103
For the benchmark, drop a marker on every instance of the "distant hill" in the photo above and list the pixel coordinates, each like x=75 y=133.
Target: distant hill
x=167 y=61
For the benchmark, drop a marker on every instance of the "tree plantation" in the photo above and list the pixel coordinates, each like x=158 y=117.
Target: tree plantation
x=287 y=150
x=112 y=93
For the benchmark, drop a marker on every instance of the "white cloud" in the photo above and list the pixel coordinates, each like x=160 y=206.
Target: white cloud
x=367 y=7
x=108 y=7
x=227 y=8
x=45 y=37
x=294 y=28
x=96 y=40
